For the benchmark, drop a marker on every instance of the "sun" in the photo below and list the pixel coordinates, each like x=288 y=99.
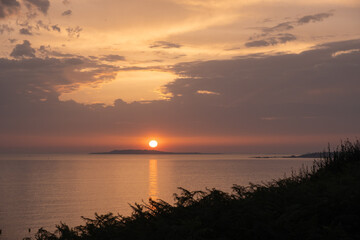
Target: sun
x=153 y=143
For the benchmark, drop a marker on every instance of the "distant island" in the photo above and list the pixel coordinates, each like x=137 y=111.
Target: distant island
x=134 y=151
x=307 y=155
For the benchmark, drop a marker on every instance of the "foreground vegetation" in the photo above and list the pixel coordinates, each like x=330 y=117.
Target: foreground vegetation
x=322 y=202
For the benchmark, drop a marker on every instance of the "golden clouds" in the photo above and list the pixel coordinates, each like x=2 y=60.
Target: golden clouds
x=142 y=85
x=161 y=33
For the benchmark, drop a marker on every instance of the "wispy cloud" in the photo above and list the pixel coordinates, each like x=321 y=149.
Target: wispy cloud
x=25 y=31
x=314 y=18
x=4 y=28
x=278 y=39
x=112 y=58
x=74 y=32
x=164 y=44
x=270 y=35
x=67 y=13
x=56 y=28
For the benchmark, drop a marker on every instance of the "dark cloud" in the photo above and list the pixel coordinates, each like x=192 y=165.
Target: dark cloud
x=289 y=25
x=164 y=44
x=12 y=40
x=74 y=32
x=56 y=28
x=278 y=39
x=314 y=93
x=66 y=2
x=33 y=79
x=67 y=13
x=258 y=43
x=4 y=28
x=8 y=7
x=23 y=50
x=46 y=51
x=41 y=5
x=271 y=36
x=290 y=87
x=41 y=25
x=113 y=58
x=25 y=31
x=285 y=26
x=314 y=18
x=285 y=37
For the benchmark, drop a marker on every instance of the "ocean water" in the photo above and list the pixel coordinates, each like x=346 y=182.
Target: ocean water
x=44 y=190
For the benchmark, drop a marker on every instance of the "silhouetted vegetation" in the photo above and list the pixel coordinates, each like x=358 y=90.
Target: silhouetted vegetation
x=321 y=202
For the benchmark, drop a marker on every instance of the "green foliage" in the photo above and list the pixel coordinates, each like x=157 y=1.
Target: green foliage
x=317 y=203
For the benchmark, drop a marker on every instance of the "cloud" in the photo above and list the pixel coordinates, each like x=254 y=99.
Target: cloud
x=284 y=88
x=350 y=51
x=270 y=35
x=289 y=25
x=5 y=28
x=314 y=18
x=8 y=7
x=56 y=28
x=113 y=58
x=74 y=32
x=25 y=31
x=23 y=50
x=33 y=78
x=278 y=39
x=258 y=43
x=279 y=82
x=207 y=92
x=285 y=37
x=46 y=51
x=67 y=13
x=164 y=44
x=41 y=5
x=285 y=26
x=42 y=25
x=66 y=2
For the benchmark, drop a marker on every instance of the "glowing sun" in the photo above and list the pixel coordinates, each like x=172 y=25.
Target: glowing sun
x=153 y=143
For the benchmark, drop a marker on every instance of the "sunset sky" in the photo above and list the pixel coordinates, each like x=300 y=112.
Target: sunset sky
x=197 y=75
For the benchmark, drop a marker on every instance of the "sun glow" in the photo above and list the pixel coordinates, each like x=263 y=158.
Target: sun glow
x=153 y=143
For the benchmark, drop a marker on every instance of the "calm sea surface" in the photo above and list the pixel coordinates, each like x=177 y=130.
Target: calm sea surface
x=42 y=190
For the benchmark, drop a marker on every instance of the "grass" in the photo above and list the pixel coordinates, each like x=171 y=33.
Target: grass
x=321 y=202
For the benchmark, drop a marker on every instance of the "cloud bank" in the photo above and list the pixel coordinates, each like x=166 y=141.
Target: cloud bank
x=8 y=7
x=308 y=94
x=41 y=5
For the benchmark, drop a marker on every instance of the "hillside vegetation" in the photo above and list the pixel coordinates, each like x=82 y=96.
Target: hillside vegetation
x=322 y=202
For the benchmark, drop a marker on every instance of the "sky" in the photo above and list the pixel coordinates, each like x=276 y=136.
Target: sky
x=197 y=75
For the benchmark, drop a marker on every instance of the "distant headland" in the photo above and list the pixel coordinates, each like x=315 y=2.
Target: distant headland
x=307 y=155
x=135 y=151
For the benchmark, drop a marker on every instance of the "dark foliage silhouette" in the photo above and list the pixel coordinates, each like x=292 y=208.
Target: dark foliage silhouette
x=321 y=202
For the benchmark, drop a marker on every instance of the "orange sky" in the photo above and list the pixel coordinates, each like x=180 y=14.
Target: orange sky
x=233 y=76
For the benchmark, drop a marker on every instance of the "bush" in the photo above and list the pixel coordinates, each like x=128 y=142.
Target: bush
x=316 y=203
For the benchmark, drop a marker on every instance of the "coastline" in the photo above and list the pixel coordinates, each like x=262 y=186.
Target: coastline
x=320 y=201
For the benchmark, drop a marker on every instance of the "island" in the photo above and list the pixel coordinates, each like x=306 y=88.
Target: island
x=306 y=155
x=136 y=151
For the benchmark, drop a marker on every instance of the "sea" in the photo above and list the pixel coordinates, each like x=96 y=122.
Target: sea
x=41 y=191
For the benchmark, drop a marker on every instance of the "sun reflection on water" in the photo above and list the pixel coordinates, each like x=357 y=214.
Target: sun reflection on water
x=153 y=179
